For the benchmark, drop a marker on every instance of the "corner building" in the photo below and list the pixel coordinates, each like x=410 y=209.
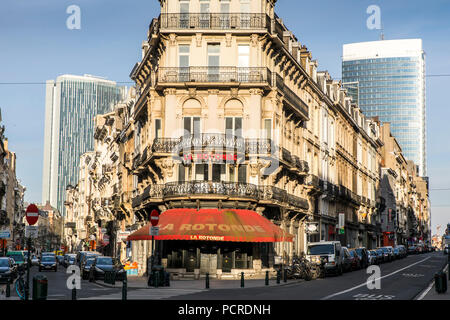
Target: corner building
x=222 y=121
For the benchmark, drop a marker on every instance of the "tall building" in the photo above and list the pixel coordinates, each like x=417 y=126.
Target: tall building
x=71 y=104
x=387 y=79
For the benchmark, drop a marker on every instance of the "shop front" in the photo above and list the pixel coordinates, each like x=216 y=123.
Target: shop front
x=222 y=243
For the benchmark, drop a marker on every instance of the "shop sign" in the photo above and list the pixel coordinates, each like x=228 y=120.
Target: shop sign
x=213 y=157
x=341 y=220
x=5 y=234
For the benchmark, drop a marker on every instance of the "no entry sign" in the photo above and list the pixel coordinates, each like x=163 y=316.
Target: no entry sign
x=32 y=214
x=154 y=218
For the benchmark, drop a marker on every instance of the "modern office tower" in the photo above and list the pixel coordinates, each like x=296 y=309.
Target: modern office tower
x=387 y=79
x=71 y=104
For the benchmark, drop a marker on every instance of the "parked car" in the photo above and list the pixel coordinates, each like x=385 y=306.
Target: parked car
x=81 y=256
x=69 y=259
x=347 y=260
x=396 y=253
x=19 y=258
x=356 y=260
x=48 y=262
x=86 y=268
x=44 y=254
x=412 y=250
x=402 y=250
x=363 y=254
x=386 y=254
x=8 y=270
x=60 y=259
x=103 y=264
x=330 y=251
x=373 y=257
x=380 y=255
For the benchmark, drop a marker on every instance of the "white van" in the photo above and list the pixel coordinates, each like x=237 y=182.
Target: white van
x=331 y=251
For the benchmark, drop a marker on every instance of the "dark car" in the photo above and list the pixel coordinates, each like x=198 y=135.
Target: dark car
x=347 y=260
x=380 y=256
x=86 y=268
x=104 y=264
x=48 y=263
x=8 y=270
x=356 y=260
x=81 y=256
x=69 y=259
x=18 y=258
x=60 y=260
x=363 y=255
x=412 y=250
x=388 y=255
x=373 y=257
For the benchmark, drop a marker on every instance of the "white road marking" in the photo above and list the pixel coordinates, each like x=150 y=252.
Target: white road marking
x=365 y=283
x=431 y=285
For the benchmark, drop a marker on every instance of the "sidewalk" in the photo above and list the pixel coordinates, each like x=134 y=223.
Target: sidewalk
x=141 y=283
x=433 y=295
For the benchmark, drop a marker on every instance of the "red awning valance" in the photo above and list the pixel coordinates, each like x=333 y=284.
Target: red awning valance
x=214 y=225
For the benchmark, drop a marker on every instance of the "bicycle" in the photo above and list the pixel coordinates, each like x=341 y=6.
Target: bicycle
x=20 y=286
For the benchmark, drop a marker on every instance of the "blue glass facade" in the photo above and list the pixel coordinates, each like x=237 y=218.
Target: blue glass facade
x=71 y=107
x=393 y=90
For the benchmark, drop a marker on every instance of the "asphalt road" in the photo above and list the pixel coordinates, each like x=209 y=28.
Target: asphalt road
x=399 y=280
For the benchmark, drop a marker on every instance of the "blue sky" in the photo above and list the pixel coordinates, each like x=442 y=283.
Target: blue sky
x=35 y=45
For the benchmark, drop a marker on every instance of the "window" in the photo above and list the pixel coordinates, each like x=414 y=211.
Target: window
x=201 y=172
x=183 y=62
x=184 y=14
x=225 y=14
x=158 y=132
x=267 y=129
x=242 y=173
x=245 y=13
x=192 y=126
x=243 y=62
x=204 y=14
x=213 y=62
x=181 y=173
x=218 y=172
x=233 y=126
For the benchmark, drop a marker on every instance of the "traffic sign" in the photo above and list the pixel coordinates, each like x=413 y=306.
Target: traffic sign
x=31 y=232
x=342 y=231
x=154 y=218
x=154 y=231
x=32 y=214
x=5 y=234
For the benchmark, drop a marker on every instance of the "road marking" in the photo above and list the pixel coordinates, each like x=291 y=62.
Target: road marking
x=367 y=296
x=431 y=285
x=365 y=283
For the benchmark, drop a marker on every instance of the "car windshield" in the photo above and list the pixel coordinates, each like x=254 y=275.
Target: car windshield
x=89 y=262
x=359 y=251
x=321 y=249
x=385 y=249
x=104 y=261
x=4 y=263
x=353 y=253
x=17 y=257
x=71 y=258
x=48 y=259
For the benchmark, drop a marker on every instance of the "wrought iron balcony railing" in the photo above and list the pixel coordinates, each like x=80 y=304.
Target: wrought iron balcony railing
x=216 y=141
x=214 y=21
x=214 y=74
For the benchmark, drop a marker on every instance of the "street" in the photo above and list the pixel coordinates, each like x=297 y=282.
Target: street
x=400 y=280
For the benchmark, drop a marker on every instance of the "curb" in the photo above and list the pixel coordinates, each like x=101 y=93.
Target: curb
x=106 y=285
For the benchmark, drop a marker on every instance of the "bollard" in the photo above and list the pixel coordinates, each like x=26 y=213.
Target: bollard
x=74 y=291
x=267 y=278
x=440 y=282
x=156 y=279
x=207 y=280
x=285 y=275
x=8 y=288
x=278 y=276
x=242 y=280
x=124 y=288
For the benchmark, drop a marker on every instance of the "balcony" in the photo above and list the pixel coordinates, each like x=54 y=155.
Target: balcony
x=290 y=96
x=214 y=21
x=313 y=181
x=218 y=189
x=205 y=75
x=212 y=141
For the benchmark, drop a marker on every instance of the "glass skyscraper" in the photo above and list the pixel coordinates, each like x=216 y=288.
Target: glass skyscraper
x=387 y=79
x=71 y=104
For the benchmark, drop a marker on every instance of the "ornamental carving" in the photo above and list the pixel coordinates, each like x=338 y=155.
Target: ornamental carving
x=166 y=166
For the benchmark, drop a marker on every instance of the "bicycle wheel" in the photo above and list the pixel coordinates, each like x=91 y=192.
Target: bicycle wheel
x=20 y=289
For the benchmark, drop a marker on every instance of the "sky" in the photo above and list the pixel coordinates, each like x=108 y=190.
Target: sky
x=36 y=45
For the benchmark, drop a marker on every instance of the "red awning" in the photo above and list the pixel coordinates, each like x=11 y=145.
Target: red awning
x=214 y=225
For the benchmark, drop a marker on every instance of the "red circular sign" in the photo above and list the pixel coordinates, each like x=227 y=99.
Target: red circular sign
x=154 y=218
x=32 y=215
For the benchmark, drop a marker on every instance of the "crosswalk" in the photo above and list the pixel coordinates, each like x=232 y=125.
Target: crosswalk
x=146 y=294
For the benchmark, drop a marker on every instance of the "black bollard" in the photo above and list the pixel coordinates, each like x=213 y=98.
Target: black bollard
x=156 y=279
x=207 y=281
x=278 y=276
x=285 y=275
x=8 y=288
x=74 y=291
x=124 y=288
x=267 y=278
x=242 y=280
